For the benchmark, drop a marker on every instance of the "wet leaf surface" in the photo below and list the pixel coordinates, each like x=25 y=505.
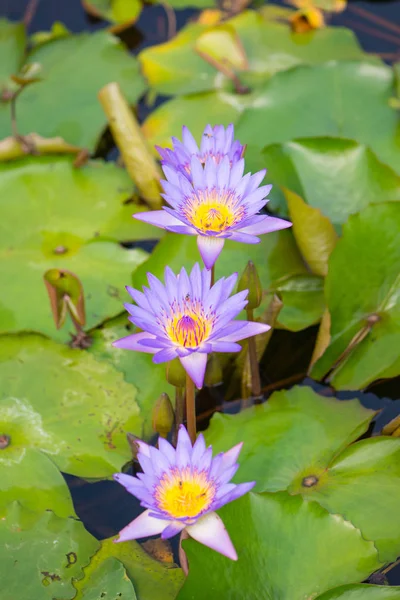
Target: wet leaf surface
x=65 y=102
x=33 y=478
x=41 y=554
x=305 y=534
x=65 y=403
x=362 y=592
x=106 y=580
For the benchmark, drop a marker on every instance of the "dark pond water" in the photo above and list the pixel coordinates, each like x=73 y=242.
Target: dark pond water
x=105 y=507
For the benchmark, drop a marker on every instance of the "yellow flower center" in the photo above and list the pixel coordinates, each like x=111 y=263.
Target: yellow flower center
x=189 y=330
x=212 y=212
x=184 y=493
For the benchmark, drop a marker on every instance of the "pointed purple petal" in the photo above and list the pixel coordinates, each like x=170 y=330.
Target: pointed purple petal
x=210 y=248
x=244 y=238
x=230 y=457
x=210 y=531
x=173 y=528
x=195 y=366
x=267 y=225
x=225 y=347
x=249 y=330
x=165 y=355
x=142 y=526
x=131 y=342
x=158 y=218
x=240 y=490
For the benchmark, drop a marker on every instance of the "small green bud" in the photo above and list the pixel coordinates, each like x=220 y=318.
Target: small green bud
x=251 y=281
x=213 y=376
x=163 y=416
x=175 y=374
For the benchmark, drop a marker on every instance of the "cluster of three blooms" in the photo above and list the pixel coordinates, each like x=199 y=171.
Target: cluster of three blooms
x=188 y=317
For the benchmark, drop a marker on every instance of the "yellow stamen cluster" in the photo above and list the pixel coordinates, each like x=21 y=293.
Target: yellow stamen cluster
x=189 y=327
x=184 y=493
x=211 y=212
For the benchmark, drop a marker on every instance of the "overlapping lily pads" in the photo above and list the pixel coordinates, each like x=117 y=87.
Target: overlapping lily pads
x=302 y=442
x=362 y=592
x=350 y=98
x=41 y=554
x=267 y=48
x=151 y=579
x=335 y=175
x=288 y=548
x=65 y=403
x=362 y=292
x=32 y=477
x=64 y=103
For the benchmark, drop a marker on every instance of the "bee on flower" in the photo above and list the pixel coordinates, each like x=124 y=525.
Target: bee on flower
x=181 y=489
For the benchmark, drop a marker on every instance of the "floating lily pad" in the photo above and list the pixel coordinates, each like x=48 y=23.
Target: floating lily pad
x=138 y=367
x=65 y=403
x=64 y=102
x=268 y=48
x=362 y=592
x=104 y=269
x=363 y=485
x=41 y=554
x=151 y=579
x=363 y=283
x=318 y=428
x=337 y=176
x=45 y=198
x=12 y=45
x=30 y=477
x=287 y=548
x=122 y=12
x=350 y=99
x=107 y=580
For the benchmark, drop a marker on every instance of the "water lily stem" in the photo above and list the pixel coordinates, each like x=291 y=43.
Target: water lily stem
x=179 y=411
x=190 y=409
x=213 y=274
x=255 y=372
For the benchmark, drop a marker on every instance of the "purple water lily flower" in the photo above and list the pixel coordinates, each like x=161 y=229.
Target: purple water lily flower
x=187 y=318
x=181 y=489
x=218 y=204
x=216 y=142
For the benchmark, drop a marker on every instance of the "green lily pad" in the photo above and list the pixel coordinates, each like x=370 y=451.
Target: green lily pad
x=12 y=46
x=138 y=367
x=104 y=268
x=370 y=289
x=288 y=549
x=268 y=48
x=363 y=485
x=151 y=579
x=43 y=198
x=107 y=580
x=41 y=554
x=64 y=103
x=65 y=403
x=337 y=176
x=362 y=592
x=350 y=99
x=122 y=12
x=318 y=428
x=30 y=477
x=275 y=257
x=303 y=301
